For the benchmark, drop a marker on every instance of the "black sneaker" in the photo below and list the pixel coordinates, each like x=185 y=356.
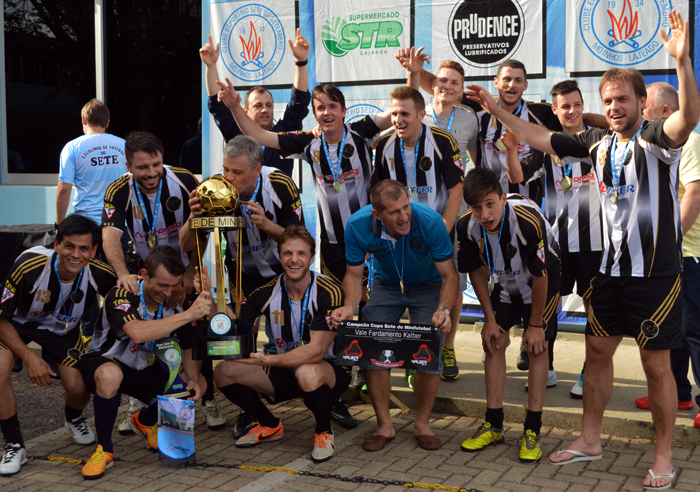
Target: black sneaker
x=523 y=359
x=340 y=413
x=244 y=423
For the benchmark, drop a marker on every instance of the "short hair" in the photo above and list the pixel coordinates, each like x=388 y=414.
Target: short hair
x=564 y=87
x=142 y=142
x=166 y=256
x=245 y=145
x=77 y=225
x=405 y=92
x=333 y=93
x=631 y=76
x=388 y=188
x=512 y=63
x=478 y=183
x=95 y=113
x=452 y=65
x=258 y=89
x=296 y=232
x=665 y=94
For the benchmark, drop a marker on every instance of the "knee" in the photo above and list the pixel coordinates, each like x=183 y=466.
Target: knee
x=308 y=377
x=657 y=364
x=7 y=360
x=108 y=379
x=224 y=373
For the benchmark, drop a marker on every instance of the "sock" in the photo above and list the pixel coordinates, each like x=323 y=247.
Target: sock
x=551 y=354
x=106 y=410
x=149 y=415
x=319 y=401
x=533 y=421
x=208 y=373
x=72 y=413
x=494 y=416
x=10 y=430
x=248 y=399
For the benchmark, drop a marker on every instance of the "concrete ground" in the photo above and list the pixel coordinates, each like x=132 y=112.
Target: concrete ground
x=627 y=452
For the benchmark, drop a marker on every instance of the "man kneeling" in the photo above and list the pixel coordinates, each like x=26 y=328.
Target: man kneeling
x=297 y=306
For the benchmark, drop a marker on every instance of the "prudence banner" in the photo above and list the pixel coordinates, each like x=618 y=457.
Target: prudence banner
x=387 y=345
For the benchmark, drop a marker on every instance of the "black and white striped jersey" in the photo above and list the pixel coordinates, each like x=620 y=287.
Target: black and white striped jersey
x=573 y=212
x=334 y=209
x=642 y=234
x=527 y=248
x=279 y=196
x=283 y=325
x=122 y=210
x=490 y=130
x=33 y=293
x=438 y=166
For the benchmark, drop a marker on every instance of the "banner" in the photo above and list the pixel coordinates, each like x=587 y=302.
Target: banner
x=176 y=432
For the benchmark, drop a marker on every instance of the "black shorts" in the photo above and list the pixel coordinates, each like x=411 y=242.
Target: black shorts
x=333 y=262
x=579 y=268
x=286 y=387
x=53 y=346
x=511 y=314
x=143 y=385
x=650 y=309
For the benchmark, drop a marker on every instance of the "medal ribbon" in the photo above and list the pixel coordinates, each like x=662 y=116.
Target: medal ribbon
x=335 y=171
x=615 y=173
x=403 y=255
x=156 y=210
x=144 y=313
x=449 y=124
x=249 y=223
x=299 y=327
x=517 y=112
x=415 y=160
x=566 y=168
x=75 y=284
x=492 y=269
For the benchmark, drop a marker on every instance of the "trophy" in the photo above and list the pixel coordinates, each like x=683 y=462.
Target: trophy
x=221 y=337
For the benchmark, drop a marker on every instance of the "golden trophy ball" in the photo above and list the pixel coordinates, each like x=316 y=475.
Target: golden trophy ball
x=217 y=196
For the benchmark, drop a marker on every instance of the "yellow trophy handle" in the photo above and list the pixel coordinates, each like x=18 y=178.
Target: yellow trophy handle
x=239 y=275
x=220 y=292
x=199 y=261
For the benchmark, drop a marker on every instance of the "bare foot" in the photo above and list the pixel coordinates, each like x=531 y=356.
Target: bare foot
x=386 y=431
x=579 y=445
x=422 y=430
x=659 y=470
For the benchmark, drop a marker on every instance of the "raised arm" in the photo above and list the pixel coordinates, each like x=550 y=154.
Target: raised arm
x=678 y=126
x=513 y=169
x=412 y=60
x=300 y=51
x=210 y=55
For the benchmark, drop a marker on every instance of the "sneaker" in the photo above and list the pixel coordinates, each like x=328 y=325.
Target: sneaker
x=410 y=376
x=213 y=416
x=324 y=447
x=340 y=413
x=483 y=436
x=358 y=379
x=523 y=362
x=134 y=406
x=82 y=434
x=551 y=379
x=530 y=451
x=149 y=433
x=450 y=370
x=696 y=422
x=97 y=464
x=244 y=423
x=643 y=403
x=15 y=456
x=259 y=434
x=577 y=389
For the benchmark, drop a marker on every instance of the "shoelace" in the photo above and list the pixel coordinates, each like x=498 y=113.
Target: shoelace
x=322 y=440
x=10 y=452
x=212 y=411
x=81 y=425
x=99 y=456
x=530 y=441
x=448 y=359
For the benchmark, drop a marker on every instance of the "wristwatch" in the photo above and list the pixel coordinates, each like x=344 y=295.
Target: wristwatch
x=443 y=308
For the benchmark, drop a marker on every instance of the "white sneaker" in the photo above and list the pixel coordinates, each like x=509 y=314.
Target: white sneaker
x=213 y=416
x=134 y=406
x=551 y=379
x=82 y=434
x=324 y=447
x=577 y=389
x=15 y=456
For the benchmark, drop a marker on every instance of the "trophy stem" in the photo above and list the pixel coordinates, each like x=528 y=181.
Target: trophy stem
x=199 y=261
x=239 y=273
x=220 y=292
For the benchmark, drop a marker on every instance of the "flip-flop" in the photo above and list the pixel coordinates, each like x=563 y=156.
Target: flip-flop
x=671 y=475
x=577 y=457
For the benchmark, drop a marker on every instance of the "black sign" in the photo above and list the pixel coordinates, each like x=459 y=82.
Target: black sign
x=386 y=345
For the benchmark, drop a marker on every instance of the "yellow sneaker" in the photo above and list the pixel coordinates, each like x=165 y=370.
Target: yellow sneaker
x=97 y=464
x=149 y=433
x=530 y=451
x=483 y=436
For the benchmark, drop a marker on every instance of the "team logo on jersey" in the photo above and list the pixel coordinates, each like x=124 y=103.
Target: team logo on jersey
x=122 y=305
x=540 y=251
x=622 y=34
x=340 y=37
x=359 y=111
x=8 y=292
x=511 y=251
x=329 y=322
x=425 y=163
x=457 y=161
x=483 y=34
x=109 y=210
x=416 y=243
x=252 y=43
x=649 y=329
x=173 y=203
x=348 y=151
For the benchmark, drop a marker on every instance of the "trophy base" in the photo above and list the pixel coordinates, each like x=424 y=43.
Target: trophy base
x=223 y=347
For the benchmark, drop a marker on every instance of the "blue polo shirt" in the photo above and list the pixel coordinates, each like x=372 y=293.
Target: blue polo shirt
x=426 y=243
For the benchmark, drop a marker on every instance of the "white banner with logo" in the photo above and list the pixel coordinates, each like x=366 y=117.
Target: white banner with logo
x=481 y=35
x=253 y=41
x=602 y=34
x=355 y=40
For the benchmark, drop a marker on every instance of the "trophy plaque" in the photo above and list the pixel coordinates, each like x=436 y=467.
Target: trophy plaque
x=221 y=337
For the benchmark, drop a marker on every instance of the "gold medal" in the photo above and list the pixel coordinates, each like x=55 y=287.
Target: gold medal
x=401 y=285
x=566 y=183
x=337 y=186
x=152 y=241
x=150 y=358
x=614 y=197
x=492 y=283
x=500 y=144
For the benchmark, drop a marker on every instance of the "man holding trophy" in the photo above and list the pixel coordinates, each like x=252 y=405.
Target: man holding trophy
x=135 y=362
